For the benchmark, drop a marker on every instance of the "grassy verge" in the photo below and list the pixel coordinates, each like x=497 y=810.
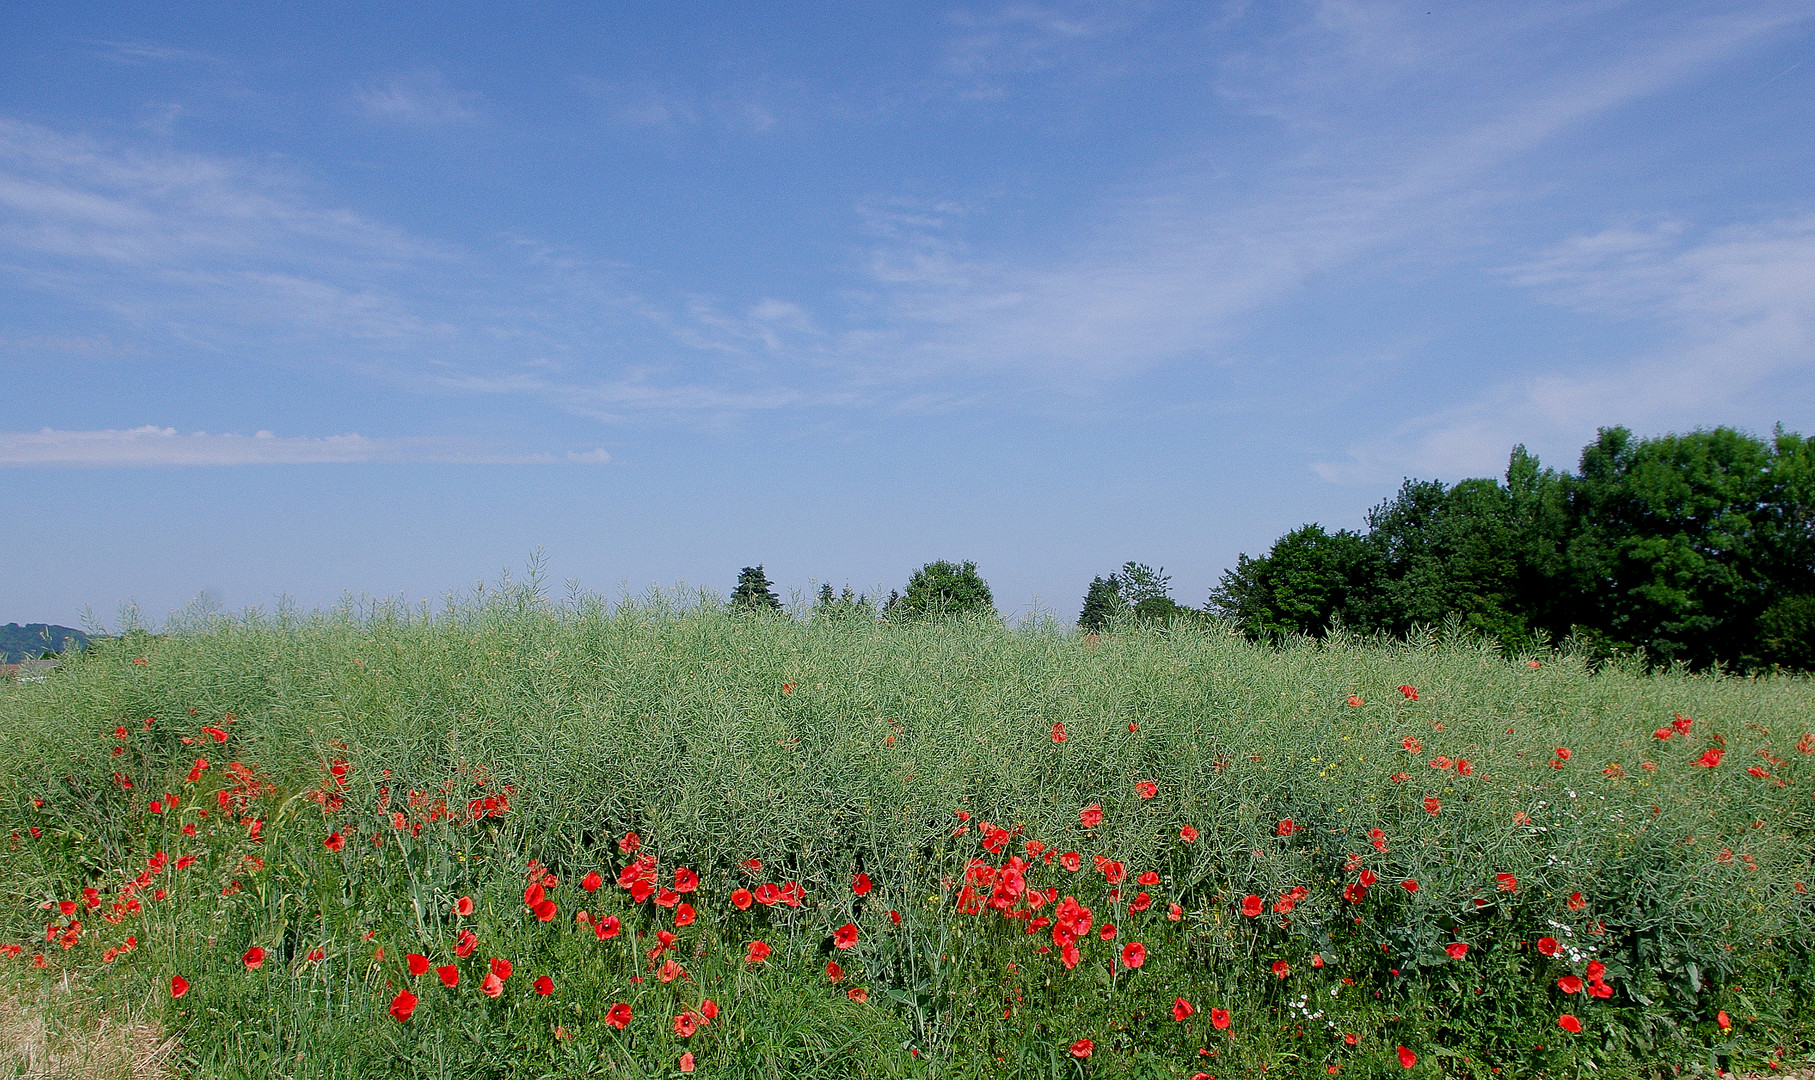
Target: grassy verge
x=966 y=850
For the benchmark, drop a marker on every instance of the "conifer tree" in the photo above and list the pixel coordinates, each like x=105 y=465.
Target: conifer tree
x=754 y=591
x=1100 y=603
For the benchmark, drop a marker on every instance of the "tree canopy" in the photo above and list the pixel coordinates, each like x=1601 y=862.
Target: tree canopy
x=1696 y=548
x=943 y=588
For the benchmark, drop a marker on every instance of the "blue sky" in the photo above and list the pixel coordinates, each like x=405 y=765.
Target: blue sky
x=304 y=298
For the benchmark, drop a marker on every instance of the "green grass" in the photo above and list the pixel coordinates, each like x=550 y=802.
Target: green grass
x=828 y=748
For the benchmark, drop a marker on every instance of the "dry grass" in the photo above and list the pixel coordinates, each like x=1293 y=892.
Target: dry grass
x=48 y=1034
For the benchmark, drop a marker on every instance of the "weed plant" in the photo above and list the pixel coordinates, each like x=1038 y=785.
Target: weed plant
x=967 y=850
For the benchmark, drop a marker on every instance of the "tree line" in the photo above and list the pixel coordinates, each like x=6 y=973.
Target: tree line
x=1696 y=549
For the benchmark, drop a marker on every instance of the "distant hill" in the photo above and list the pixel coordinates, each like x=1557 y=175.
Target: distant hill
x=35 y=639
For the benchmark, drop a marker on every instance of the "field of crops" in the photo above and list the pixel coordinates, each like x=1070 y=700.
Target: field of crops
x=525 y=839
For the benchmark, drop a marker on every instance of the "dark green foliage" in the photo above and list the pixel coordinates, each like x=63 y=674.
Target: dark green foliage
x=1102 y=602
x=1695 y=548
x=846 y=604
x=35 y=639
x=1138 y=590
x=754 y=592
x=943 y=588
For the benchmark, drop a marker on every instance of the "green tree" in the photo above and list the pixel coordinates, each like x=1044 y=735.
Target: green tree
x=1148 y=592
x=1310 y=580
x=1102 y=602
x=754 y=591
x=842 y=606
x=943 y=588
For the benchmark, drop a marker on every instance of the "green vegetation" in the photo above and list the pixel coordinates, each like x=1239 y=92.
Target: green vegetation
x=754 y=591
x=1265 y=813
x=1695 y=549
x=943 y=588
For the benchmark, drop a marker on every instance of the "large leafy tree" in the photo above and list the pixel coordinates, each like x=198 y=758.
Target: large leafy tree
x=1310 y=581
x=754 y=592
x=1696 y=548
x=945 y=588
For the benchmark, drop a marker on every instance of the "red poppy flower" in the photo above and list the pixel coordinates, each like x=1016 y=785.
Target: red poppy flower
x=1440 y=762
x=492 y=986
x=465 y=944
x=1570 y=984
x=857 y=994
x=1506 y=882
x=1595 y=969
x=1281 y=969
x=1431 y=805
x=1465 y=767
x=592 y=881
x=449 y=975
x=1251 y=905
x=845 y=936
x=741 y=899
x=759 y=952
x=1710 y=758
x=1072 y=861
x=787 y=688
x=1409 y=885
x=178 y=986
x=418 y=963
x=1146 y=789
x=1563 y=753
x=1285 y=828
x=1082 y=1048
x=1354 y=701
x=1576 y=902
x=1091 y=816
x=1681 y=724
x=618 y=1016
x=546 y=910
x=684 y=915
x=1187 y=834
x=1407 y=1058
x=627 y=845
x=254 y=957
x=1134 y=954
x=1570 y=1024
x=216 y=734
x=1182 y=1009
x=686 y=1024
x=861 y=884
x=670 y=970
x=403 y=1005
x=1219 y=1019
x=1058 y=732
x=1141 y=902
x=1723 y=1020
x=606 y=928
x=685 y=880
x=1456 y=949
x=1410 y=693
x=1549 y=946
x=833 y=971
x=463 y=906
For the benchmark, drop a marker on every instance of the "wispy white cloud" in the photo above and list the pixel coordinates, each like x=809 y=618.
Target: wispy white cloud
x=422 y=97
x=155 y=446
x=1176 y=267
x=1731 y=312
x=991 y=45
